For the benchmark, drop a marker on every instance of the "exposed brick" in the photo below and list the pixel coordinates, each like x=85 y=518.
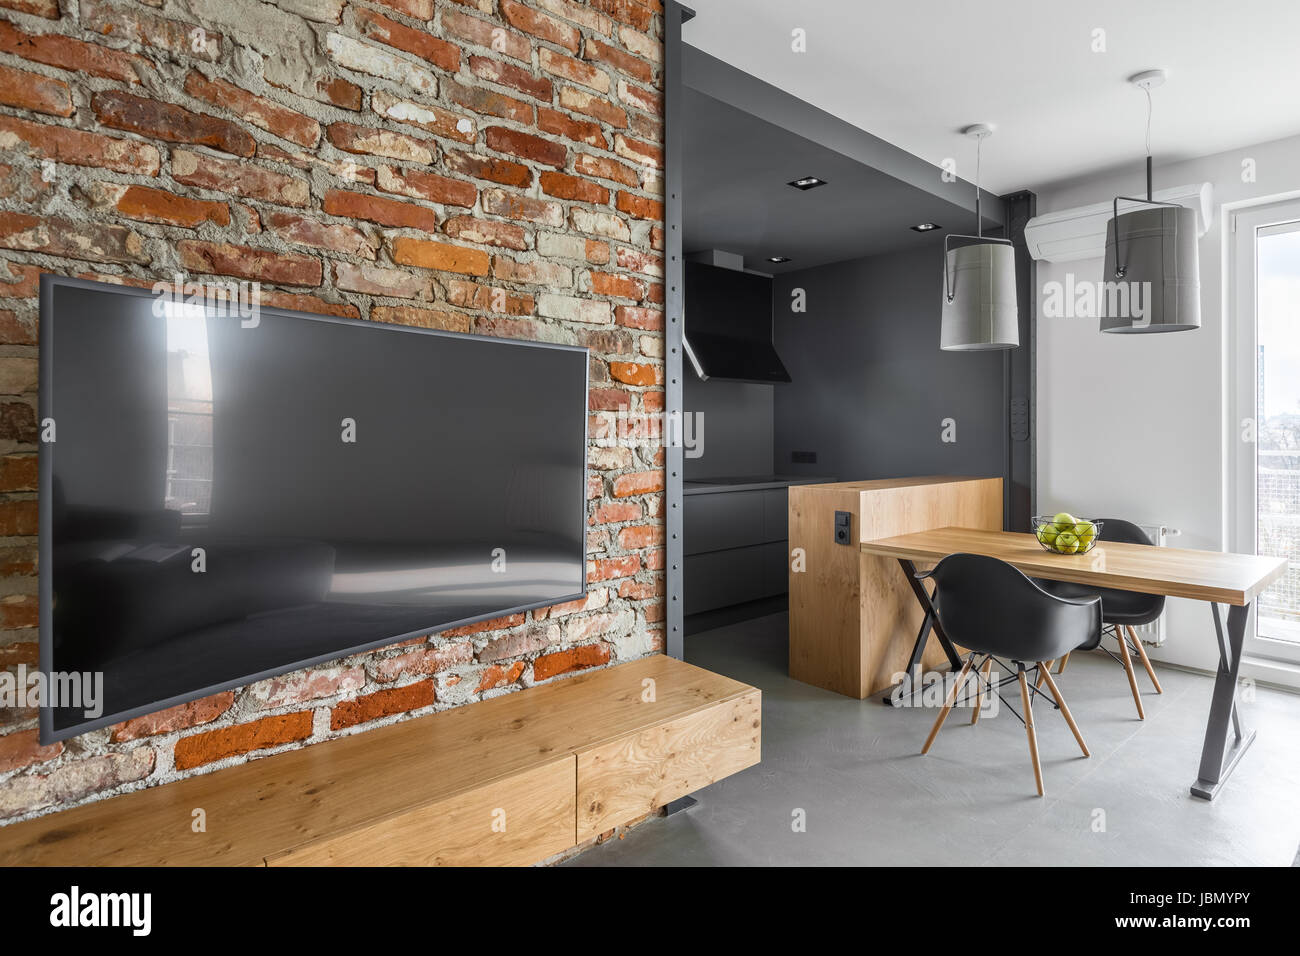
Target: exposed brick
x=301 y=686
x=18 y=611
x=168 y=122
x=492 y=624
x=498 y=202
x=31 y=91
x=57 y=236
x=15 y=330
x=257 y=110
x=632 y=12
x=515 y=77
x=131 y=24
x=641 y=44
x=540 y=25
x=640 y=207
x=439 y=52
x=573 y=659
x=23 y=748
x=622 y=61
x=40 y=8
x=435 y=119
x=633 y=373
x=79 y=148
x=376 y=280
x=429 y=659
x=418 y=9
x=637 y=318
x=579 y=131
x=240 y=178
x=333 y=237
x=640 y=590
x=17 y=561
x=442 y=256
x=488 y=102
x=386 y=212
x=525 y=146
x=18 y=375
x=181 y=717
x=595 y=599
x=519 y=643
x=605 y=569
x=486 y=34
x=74 y=781
x=573 y=69
x=380 y=61
x=420 y=184
x=340 y=92
x=158 y=205
x=640 y=98
x=574 y=309
x=635 y=260
x=471 y=295
x=17 y=423
x=497 y=676
x=638 y=483
x=535 y=273
x=603 y=167
x=375 y=142
x=486 y=167
x=420 y=318
x=646 y=154
x=612 y=284
x=579 y=12
x=208 y=746
x=246 y=262
x=564 y=186
x=382 y=703
x=18 y=517
x=592 y=104
x=637 y=537
x=598 y=223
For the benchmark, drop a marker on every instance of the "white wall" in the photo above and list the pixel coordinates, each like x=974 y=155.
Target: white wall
x=1134 y=426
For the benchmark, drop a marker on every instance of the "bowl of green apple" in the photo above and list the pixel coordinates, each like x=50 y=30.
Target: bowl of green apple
x=1063 y=533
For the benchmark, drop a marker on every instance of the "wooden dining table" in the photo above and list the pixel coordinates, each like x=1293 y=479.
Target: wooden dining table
x=1215 y=577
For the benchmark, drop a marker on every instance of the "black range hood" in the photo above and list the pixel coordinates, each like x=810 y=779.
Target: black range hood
x=728 y=332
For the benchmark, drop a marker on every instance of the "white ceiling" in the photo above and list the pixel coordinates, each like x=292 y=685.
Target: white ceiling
x=914 y=72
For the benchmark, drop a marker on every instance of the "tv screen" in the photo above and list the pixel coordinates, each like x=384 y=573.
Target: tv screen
x=228 y=497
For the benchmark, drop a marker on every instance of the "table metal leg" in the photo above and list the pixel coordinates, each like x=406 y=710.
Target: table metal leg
x=1219 y=756
x=930 y=622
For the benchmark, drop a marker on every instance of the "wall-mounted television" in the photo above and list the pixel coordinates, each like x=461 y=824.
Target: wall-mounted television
x=227 y=496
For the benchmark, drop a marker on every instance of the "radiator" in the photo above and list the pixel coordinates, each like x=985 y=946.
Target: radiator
x=1153 y=634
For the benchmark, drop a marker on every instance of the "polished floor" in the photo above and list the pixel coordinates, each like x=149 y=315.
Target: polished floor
x=851 y=773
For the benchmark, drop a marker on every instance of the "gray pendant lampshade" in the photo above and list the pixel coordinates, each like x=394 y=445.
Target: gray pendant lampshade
x=979 y=303
x=979 y=284
x=1152 y=257
x=1151 y=279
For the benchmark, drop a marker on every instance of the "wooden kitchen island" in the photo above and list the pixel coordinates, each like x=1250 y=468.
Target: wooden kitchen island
x=853 y=617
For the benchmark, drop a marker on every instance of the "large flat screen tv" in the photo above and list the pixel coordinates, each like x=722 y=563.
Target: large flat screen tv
x=224 y=498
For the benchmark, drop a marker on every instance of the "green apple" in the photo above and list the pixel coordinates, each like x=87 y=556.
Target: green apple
x=1067 y=542
x=1064 y=519
x=1046 y=533
x=1085 y=531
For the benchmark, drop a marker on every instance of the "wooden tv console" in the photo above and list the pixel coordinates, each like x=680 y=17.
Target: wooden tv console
x=508 y=781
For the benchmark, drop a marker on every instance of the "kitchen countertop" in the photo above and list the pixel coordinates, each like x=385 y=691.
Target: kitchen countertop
x=713 y=486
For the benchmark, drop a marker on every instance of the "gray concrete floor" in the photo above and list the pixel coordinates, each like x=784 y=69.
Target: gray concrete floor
x=854 y=769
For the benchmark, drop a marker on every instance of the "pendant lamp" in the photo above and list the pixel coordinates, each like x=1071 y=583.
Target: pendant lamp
x=979 y=283
x=1152 y=257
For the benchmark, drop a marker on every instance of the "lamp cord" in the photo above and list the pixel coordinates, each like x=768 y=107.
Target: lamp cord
x=1149 y=111
x=979 y=220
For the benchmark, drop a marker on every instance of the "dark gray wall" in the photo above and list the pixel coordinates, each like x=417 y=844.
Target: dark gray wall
x=870 y=386
x=737 y=426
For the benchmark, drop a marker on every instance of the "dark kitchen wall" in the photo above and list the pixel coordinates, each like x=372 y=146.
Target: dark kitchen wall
x=737 y=423
x=870 y=387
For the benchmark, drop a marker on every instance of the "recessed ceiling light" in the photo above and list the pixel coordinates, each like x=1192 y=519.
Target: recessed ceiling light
x=778 y=258
x=807 y=182
x=925 y=227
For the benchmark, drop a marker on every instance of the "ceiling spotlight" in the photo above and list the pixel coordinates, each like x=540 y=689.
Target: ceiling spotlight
x=807 y=182
x=925 y=227
x=778 y=259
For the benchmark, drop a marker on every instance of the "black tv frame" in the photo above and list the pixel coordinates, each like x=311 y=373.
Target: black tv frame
x=49 y=282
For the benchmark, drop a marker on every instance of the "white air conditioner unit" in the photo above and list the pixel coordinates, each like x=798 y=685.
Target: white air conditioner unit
x=1080 y=233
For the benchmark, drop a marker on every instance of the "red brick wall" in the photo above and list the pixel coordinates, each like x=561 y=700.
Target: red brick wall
x=399 y=160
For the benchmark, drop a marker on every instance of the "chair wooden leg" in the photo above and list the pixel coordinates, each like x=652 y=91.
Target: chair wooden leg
x=1065 y=712
x=1029 y=730
x=1045 y=665
x=948 y=702
x=1064 y=660
x=1128 y=669
x=988 y=668
x=1146 y=661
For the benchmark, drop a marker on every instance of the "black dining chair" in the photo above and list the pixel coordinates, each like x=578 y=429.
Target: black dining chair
x=995 y=611
x=1121 y=611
